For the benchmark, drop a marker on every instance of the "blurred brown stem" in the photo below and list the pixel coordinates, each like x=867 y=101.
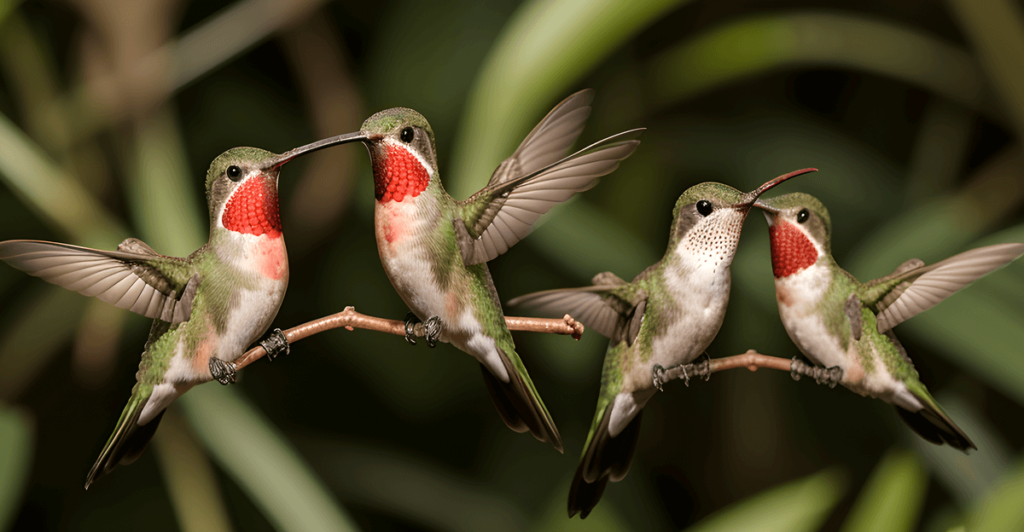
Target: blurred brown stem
x=350 y=319
x=751 y=360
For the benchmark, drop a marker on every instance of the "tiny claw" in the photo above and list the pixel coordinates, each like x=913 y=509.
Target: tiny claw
x=276 y=343
x=432 y=330
x=410 y=332
x=223 y=372
x=795 y=367
x=835 y=374
x=658 y=373
x=703 y=368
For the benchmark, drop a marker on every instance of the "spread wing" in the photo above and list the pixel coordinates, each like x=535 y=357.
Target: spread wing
x=906 y=294
x=138 y=280
x=550 y=139
x=604 y=308
x=494 y=219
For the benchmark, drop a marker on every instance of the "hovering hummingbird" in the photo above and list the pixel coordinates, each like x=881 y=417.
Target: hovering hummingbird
x=207 y=308
x=667 y=316
x=846 y=326
x=435 y=249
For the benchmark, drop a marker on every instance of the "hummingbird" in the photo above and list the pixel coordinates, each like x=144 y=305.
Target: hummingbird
x=207 y=308
x=667 y=316
x=846 y=326
x=434 y=248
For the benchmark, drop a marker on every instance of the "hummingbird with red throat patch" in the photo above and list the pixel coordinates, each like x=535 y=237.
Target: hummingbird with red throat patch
x=846 y=326
x=435 y=249
x=667 y=316
x=207 y=308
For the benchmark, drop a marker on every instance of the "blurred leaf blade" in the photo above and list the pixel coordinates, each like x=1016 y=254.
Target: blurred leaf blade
x=262 y=462
x=544 y=49
x=1001 y=508
x=748 y=47
x=800 y=505
x=63 y=202
x=189 y=477
x=996 y=29
x=892 y=498
x=16 y=449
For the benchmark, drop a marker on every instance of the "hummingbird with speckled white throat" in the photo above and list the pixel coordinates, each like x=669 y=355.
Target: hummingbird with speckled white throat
x=666 y=317
x=207 y=308
x=435 y=249
x=842 y=324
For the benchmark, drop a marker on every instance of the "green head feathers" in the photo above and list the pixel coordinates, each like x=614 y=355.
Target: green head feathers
x=242 y=157
x=789 y=206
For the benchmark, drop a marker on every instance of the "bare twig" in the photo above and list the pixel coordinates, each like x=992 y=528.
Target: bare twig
x=350 y=319
x=751 y=360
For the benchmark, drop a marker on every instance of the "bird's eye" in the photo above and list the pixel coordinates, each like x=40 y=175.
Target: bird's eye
x=234 y=173
x=704 y=207
x=802 y=216
x=407 y=135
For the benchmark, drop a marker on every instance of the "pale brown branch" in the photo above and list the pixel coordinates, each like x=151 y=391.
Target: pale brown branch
x=350 y=319
x=751 y=360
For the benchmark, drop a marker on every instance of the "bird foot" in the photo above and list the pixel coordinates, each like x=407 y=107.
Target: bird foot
x=432 y=330
x=276 y=343
x=830 y=376
x=223 y=372
x=702 y=368
x=658 y=373
x=410 y=328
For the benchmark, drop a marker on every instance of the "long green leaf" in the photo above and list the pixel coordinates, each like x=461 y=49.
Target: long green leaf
x=262 y=462
x=60 y=200
x=164 y=204
x=892 y=498
x=15 y=460
x=1001 y=509
x=799 y=505
x=996 y=30
x=745 y=48
x=420 y=492
x=546 y=47
x=189 y=476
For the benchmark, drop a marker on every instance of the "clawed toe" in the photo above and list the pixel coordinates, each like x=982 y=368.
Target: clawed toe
x=658 y=374
x=276 y=343
x=223 y=372
x=432 y=330
x=410 y=328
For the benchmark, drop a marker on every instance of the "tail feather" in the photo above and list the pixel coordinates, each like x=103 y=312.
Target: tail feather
x=936 y=427
x=519 y=404
x=128 y=441
x=605 y=458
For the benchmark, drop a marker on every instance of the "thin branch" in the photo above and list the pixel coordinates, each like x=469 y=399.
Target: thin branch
x=751 y=360
x=351 y=320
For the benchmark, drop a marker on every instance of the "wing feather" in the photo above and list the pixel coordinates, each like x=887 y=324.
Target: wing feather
x=526 y=197
x=131 y=281
x=927 y=286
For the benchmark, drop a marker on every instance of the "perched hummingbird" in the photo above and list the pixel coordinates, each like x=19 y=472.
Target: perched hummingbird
x=845 y=325
x=207 y=308
x=435 y=249
x=667 y=316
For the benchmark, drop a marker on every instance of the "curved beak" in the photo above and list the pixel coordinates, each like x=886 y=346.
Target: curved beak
x=278 y=161
x=750 y=199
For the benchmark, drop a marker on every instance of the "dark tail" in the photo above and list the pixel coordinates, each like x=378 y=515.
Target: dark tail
x=127 y=442
x=605 y=458
x=519 y=405
x=937 y=428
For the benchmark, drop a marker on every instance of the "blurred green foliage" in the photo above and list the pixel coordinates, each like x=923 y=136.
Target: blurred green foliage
x=110 y=112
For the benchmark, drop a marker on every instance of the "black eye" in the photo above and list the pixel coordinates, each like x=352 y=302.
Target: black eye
x=234 y=173
x=704 y=207
x=407 y=135
x=802 y=216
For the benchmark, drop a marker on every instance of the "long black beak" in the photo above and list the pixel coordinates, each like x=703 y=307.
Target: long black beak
x=309 y=148
x=750 y=198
